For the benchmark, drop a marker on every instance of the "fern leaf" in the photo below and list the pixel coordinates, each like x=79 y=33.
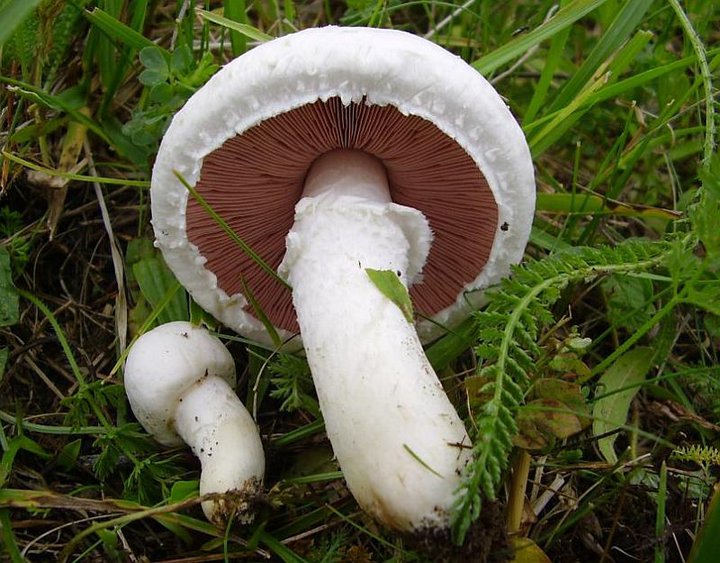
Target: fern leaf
x=517 y=311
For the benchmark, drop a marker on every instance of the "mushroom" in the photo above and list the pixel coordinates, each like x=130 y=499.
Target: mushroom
x=179 y=380
x=331 y=152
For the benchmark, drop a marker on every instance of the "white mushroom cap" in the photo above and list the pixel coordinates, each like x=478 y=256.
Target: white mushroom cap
x=369 y=79
x=163 y=365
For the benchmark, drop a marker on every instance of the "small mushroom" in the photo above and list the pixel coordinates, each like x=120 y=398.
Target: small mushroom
x=332 y=151
x=179 y=380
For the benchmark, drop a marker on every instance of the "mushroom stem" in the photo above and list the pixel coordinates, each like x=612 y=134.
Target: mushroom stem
x=397 y=437
x=216 y=425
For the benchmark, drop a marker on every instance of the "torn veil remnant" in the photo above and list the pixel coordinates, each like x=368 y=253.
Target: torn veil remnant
x=331 y=151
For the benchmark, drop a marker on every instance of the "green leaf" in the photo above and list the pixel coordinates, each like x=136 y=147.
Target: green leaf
x=558 y=412
x=561 y=120
x=629 y=301
x=568 y=393
x=510 y=326
x=9 y=303
x=202 y=72
x=527 y=551
x=569 y=363
x=447 y=349
x=389 y=284
x=183 y=490
x=14 y=446
x=152 y=58
x=617 y=388
x=291 y=377
x=67 y=457
x=181 y=60
x=12 y=14
x=155 y=280
x=162 y=93
x=280 y=549
x=152 y=77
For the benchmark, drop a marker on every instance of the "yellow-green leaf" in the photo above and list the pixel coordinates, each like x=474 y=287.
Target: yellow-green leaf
x=527 y=551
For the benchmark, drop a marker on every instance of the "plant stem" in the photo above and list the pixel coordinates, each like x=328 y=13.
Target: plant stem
x=660 y=516
x=516 y=502
x=700 y=53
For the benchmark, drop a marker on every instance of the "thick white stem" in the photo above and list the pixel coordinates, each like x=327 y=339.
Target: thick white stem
x=216 y=425
x=397 y=437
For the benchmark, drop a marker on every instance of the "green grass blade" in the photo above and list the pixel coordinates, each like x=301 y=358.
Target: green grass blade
x=565 y=17
x=422 y=462
x=280 y=549
x=626 y=21
x=62 y=339
x=118 y=31
x=242 y=28
x=75 y=177
x=446 y=349
x=299 y=434
x=105 y=49
x=613 y=90
x=623 y=86
x=563 y=120
x=8 y=538
x=55 y=102
x=316 y=478
x=552 y=62
x=12 y=14
x=569 y=114
x=260 y=313
x=234 y=10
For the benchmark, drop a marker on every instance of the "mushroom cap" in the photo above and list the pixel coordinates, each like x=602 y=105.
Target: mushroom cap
x=163 y=364
x=246 y=139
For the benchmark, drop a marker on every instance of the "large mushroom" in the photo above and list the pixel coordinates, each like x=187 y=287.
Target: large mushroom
x=331 y=152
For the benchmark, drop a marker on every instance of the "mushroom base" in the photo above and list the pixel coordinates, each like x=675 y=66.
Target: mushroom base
x=397 y=437
x=222 y=434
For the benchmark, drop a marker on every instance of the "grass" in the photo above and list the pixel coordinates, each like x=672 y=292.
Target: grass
x=594 y=370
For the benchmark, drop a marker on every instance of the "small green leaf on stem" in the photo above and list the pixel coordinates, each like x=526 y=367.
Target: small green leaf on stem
x=389 y=284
